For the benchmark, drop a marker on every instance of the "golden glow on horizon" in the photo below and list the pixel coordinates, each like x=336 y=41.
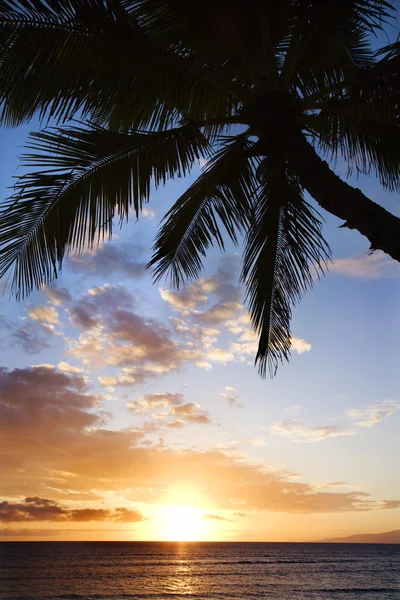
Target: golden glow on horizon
x=182 y=524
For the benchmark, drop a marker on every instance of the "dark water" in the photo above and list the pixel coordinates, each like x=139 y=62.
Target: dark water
x=201 y=571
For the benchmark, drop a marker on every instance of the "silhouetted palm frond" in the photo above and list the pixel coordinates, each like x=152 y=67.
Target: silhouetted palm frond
x=89 y=176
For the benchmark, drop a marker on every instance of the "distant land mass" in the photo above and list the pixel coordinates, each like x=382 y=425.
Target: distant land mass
x=388 y=537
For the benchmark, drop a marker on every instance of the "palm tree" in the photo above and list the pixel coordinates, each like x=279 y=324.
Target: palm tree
x=263 y=90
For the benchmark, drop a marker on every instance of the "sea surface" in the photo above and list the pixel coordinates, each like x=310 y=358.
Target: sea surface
x=201 y=571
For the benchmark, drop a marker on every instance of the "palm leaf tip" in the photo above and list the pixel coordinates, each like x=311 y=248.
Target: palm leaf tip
x=284 y=251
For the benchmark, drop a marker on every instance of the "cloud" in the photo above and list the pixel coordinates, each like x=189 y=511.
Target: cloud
x=186 y=300
x=33 y=337
x=149 y=402
x=111 y=259
x=220 y=313
x=377 y=265
x=232 y=396
x=124 y=378
x=52 y=431
x=216 y=518
x=371 y=415
x=99 y=301
x=67 y=368
x=148 y=213
x=390 y=504
x=38 y=509
x=58 y=296
x=44 y=314
x=299 y=345
x=9 y=532
x=117 y=336
x=190 y=412
x=295 y=431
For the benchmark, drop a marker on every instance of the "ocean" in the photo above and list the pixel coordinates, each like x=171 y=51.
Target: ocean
x=198 y=570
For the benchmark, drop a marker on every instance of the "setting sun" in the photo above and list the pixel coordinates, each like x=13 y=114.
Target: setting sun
x=183 y=524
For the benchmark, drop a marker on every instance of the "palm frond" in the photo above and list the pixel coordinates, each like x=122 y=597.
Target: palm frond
x=284 y=248
x=88 y=177
x=231 y=38
x=329 y=40
x=364 y=131
x=221 y=196
x=91 y=57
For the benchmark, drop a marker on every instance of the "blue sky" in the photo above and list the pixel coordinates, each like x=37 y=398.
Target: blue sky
x=146 y=394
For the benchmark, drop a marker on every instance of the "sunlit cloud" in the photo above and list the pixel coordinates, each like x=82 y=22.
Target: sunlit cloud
x=149 y=402
x=186 y=300
x=35 y=509
x=67 y=368
x=56 y=408
x=44 y=314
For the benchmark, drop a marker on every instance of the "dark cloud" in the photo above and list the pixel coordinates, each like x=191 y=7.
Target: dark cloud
x=99 y=303
x=33 y=337
x=42 y=509
x=46 y=399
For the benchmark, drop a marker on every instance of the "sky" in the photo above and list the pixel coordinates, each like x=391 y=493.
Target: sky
x=130 y=411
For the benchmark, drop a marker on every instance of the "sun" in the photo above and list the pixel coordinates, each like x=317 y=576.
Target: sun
x=182 y=524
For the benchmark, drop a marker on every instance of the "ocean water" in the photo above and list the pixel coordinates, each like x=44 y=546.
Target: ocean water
x=201 y=571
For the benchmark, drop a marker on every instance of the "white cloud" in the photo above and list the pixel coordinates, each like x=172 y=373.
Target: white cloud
x=372 y=266
x=299 y=345
x=368 y=416
x=148 y=213
x=293 y=430
x=232 y=396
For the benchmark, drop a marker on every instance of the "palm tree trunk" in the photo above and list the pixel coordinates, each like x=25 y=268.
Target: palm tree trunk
x=342 y=200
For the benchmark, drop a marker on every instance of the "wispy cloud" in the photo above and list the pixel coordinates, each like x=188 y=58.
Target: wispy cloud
x=232 y=396
x=368 y=416
x=371 y=266
x=293 y=430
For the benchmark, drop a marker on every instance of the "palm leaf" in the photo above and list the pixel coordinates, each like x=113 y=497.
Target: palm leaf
x=284 y=246
x=89 y=176
x=222 y=195
x=91 y=57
